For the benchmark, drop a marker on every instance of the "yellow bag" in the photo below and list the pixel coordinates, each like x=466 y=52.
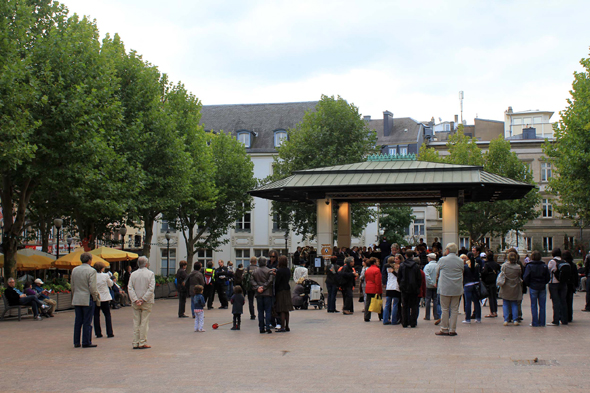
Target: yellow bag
x=376 y=304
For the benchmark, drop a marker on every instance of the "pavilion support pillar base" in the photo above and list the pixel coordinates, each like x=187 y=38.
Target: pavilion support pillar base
x=450 y=221
x=325 y=225
x=344 y=225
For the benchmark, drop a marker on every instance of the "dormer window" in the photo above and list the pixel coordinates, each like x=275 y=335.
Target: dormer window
x=280 y=136
x=245 y=137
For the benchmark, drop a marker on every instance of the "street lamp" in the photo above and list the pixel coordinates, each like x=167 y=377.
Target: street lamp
x=167 y=251
x=123 y=231
x=57 y=222
x=70 y=240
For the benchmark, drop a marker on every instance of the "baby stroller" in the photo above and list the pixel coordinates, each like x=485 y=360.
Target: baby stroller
x=314 y=296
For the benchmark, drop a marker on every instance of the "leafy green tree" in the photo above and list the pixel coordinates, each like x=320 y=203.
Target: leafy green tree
x=478 y=219
x=394 y=220
x=154 y=113
x=333 y=134
x=218 y=189
x=53 y=72
x=569 y=154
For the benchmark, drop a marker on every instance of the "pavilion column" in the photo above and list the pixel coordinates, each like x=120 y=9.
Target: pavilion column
x=450 y=221
x=344 y=225
x=325 y=223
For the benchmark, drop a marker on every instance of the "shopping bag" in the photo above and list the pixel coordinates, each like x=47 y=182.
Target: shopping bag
x=376 y=304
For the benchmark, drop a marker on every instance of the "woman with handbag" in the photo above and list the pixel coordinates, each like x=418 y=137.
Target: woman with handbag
x=373 y=286
x=510 y=283
x=470 y=281
x=392 y=292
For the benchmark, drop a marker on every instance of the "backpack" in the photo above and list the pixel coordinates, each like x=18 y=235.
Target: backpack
x=246 y=284
x=409 y=283
x=563 y=272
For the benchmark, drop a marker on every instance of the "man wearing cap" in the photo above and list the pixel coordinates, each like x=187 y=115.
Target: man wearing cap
x=430 y=274
x=43 y=296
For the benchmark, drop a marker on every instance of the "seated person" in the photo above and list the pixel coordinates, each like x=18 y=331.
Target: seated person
x=120 y=296
x=43 y=295
x=299 y=297
x=16 y=298
x=583 y=278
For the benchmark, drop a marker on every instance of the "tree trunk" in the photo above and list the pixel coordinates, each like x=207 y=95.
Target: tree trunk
x=44 y=229
x=189 y=242
x=149 y=232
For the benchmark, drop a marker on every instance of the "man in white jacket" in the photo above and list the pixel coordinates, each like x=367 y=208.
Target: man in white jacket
x=141 y=291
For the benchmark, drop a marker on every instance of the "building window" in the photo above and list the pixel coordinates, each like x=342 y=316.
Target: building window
x=392 y=151
x=486 y=242
x=529 y=243
x=403 y=151
x=545 y=171
x=243 y=257
x=547 y=208
x=203 y=256
x=570 y=243
x=464 y=242
x=548 y=244
x=280 y=136
x=277 y=224
x=527 y=121
x=537 y=120
x=418 y=227
x=244 y=137
x=517 y=122
x=166 y=226
x=168 y=266
x=243 y=224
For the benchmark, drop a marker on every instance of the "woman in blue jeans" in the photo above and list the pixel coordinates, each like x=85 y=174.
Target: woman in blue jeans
x=511 y=290
x=470 y=280
x=392 y=293
x=536 y=277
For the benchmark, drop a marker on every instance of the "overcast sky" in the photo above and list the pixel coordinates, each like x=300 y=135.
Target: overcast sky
x=409 y=57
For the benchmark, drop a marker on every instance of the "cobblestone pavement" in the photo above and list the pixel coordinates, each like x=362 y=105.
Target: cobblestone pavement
x=323 y=353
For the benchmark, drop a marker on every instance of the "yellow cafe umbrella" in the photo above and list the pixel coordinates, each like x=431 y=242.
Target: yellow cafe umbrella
x=113 y=255
x=43 y=259
x=23 y=262
x=72 y=260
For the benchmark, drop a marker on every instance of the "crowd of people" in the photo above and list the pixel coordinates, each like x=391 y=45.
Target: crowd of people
x=441 y=282
x=266 y=281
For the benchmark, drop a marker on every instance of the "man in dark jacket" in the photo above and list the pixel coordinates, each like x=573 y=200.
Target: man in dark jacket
x=222 y=274
x=181 y=276
x=536 y=277
x=195 y=278
x=489 y=274
x=410 y=281
x=348 y=276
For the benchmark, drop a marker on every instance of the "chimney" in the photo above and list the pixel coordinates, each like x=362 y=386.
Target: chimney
x=456 y=119
x=509 y=110
x=387 y=123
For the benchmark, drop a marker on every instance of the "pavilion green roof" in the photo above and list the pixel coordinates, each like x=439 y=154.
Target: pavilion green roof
x=397 y=181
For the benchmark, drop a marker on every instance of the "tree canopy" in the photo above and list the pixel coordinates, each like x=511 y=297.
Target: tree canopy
x=332 y=134
x=479 y=219
x=569 y=154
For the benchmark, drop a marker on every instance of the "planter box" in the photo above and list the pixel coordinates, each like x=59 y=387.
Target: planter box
x=172 y=292
x=159 y=291
x=64 y=301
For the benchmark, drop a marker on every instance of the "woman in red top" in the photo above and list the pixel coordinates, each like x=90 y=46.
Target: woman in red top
x=373 y=286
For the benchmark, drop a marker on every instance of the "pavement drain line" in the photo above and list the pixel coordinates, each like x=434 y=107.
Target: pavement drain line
x=535 y=362
x=313 y=321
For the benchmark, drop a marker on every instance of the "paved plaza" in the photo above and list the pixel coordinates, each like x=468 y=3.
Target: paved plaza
x=323 y=353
